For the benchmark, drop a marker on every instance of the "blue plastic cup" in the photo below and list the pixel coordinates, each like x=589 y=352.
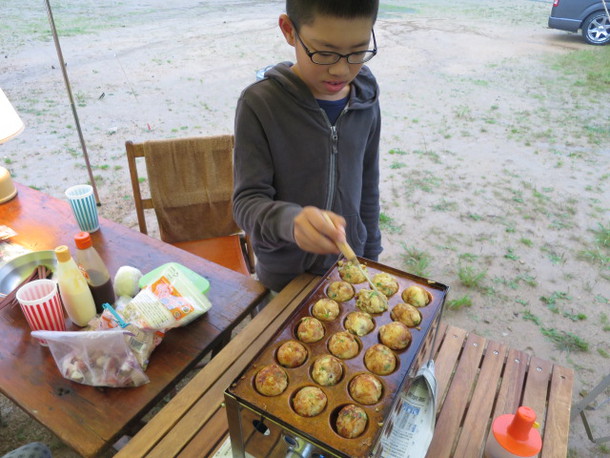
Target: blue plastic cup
x=83 y=205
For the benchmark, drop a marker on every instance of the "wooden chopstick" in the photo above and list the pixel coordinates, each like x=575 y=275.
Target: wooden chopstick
x=349 y=254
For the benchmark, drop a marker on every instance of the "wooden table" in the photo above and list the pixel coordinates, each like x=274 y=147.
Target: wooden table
x=478 y=379
x=87 y=418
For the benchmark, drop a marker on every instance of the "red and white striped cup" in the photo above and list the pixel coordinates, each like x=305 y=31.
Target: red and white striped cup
x=42 y=307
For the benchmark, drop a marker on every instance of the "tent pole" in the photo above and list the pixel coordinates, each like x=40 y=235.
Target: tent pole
x=69 y=89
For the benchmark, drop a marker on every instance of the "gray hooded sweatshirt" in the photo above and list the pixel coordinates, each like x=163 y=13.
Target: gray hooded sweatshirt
x=288 y=156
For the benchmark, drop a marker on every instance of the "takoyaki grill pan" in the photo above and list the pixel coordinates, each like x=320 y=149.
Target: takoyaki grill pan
x=320 y=430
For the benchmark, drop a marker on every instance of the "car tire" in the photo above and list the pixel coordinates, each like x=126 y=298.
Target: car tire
x=596 y=28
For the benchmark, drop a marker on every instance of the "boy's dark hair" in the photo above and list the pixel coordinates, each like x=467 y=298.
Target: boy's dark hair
x=305 y=11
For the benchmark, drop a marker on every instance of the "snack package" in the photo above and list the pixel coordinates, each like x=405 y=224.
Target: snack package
x=169 y=301
x=96 y=358
x=141 y=342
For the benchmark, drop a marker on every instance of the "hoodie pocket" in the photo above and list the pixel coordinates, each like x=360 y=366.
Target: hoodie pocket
x=356 y=233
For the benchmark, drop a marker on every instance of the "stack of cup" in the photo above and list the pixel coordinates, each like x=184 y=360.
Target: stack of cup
x=42 y=306
x=83 y=205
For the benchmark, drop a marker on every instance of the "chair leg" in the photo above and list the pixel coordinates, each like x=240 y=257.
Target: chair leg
x=585 y=404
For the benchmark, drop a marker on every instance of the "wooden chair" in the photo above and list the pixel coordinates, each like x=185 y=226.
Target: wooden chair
x=200 y=218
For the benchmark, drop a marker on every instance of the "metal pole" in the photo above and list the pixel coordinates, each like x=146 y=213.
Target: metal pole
x=69 y=89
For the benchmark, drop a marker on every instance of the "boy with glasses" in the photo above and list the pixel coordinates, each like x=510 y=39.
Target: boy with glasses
x=307 y=143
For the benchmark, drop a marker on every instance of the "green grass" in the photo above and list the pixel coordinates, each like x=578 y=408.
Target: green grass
x=566 y=340
x=471 y=277
x=551 y=301
x=415 y=261
x=589 y=67
x=528 y=316
x=388 y=224
x=457 y=304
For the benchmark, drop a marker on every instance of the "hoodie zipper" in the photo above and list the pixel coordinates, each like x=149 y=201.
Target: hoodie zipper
x=332 y=182
x=334 y=141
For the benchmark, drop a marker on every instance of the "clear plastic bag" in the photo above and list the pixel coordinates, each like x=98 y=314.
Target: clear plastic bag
x=142 y=342
x=169 y=301
x=96 y=358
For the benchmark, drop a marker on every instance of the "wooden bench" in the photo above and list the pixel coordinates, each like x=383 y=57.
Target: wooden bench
x=478 y=380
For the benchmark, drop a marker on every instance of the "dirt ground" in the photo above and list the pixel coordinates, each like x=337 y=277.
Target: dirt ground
x=495 y=149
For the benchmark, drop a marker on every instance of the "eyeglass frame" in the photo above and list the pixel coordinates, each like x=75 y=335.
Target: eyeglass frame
x=340 y=56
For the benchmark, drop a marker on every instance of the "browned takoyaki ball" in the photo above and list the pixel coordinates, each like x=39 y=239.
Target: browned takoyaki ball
x=407 y=314
x=351 y=421
x=385 y=283
x=395 y=335
x=359 y=323
x=417 y=296
x=340 y=291
x=310 y=330
x=350 y=272
x=343 y=345
x=309 y=401
x=371 y=301
x=326 y=309
x=365 y=389
x=380 y=360
x=327 y=370
x=291 y=354
x=271 y=380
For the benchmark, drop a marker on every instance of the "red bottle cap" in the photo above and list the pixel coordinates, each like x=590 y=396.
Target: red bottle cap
x=82 y=240
x=516 y=432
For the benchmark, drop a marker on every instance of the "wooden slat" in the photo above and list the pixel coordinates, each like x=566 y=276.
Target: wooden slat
x=189 y=405
x=481 y=405
x=208 y=438
x=446 y=360
x=557 y=423
x=451 y=415
x=537 y=387
x=513 y=380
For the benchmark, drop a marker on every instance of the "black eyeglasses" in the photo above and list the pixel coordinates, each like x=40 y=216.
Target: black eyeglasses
x=330 y=57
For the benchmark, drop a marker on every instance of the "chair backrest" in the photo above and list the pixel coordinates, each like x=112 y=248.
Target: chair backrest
x=191 y=186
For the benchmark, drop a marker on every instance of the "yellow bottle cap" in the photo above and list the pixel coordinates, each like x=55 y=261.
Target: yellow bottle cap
x=62 y=253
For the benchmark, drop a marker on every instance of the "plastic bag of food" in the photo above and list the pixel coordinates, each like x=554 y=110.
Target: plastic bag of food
x=142 y=342
x=169 y=301
x=97 y=358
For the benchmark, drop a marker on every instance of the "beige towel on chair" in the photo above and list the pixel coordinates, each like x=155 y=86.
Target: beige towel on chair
x=191 y=184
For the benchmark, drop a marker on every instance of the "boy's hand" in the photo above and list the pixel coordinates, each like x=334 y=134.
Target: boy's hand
x=313 y=233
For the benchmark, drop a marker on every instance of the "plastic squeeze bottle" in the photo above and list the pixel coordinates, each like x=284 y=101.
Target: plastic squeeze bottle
x=514 y=436
x=94 y=270
x=73 y=288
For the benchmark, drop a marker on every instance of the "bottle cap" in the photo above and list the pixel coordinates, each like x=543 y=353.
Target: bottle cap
x=516 y=433
x=82 y=240
x=62 y=253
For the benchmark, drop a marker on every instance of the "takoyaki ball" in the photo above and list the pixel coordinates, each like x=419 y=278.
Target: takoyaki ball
x=417 y=296
x=291 y=354
x=327 y=370
x=395 y=335
x=310 y=330
x=371 y=301
x=385 y=283
x=309 y=401
x=359 y=323
x=343 y=345
x=407 y=314
x=350 y=272
x=340 y=291
x=380 y=360
x=326 y=309
x=271 y=380
x=351 y=421
x=365 y=389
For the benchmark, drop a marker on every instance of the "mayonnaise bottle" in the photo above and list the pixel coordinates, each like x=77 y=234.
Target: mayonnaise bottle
x=73 y=287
